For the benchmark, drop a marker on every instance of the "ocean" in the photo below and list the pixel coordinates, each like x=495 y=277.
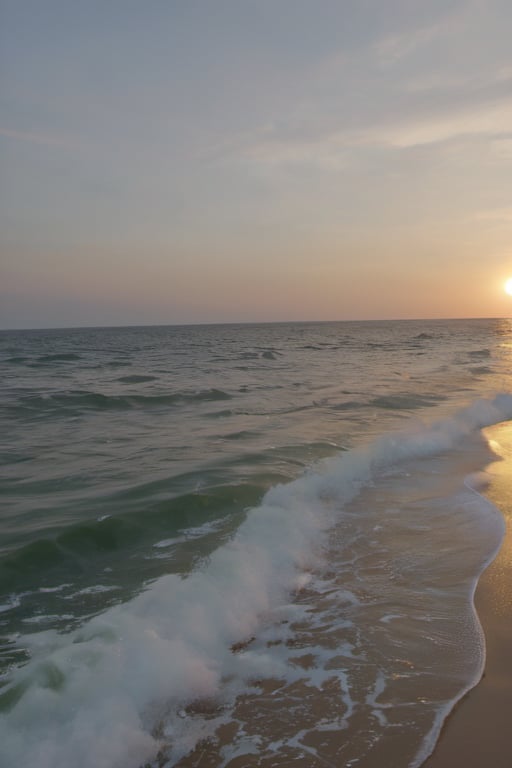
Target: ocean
x=243 y=545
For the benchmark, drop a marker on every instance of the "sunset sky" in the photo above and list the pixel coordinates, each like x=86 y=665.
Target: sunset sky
x=188 y=161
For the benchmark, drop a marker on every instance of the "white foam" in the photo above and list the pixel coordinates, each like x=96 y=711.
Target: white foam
x=14 y=602
x=47 y=590
x=96 y=589
x=190 y=533
x=93 y=695
x=46 y=618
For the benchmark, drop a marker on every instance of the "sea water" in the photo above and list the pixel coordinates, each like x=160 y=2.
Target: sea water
x=243 y=545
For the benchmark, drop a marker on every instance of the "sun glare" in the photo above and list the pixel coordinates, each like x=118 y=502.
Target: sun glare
x=508 y=286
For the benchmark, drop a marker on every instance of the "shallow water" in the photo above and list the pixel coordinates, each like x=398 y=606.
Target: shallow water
x=258 y=542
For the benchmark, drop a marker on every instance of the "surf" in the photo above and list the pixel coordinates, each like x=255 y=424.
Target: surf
x=111 y=691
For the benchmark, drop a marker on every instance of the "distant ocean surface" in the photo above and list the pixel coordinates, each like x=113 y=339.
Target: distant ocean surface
x=243 y=545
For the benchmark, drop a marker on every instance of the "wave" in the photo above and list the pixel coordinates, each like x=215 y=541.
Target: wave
x=99 y=691
x=242 y=434
x=136 y=379
x=85 y=400
x=87 y=547
x=406 y=401
x=59 y=357
x=347 y=405
x=266 y=354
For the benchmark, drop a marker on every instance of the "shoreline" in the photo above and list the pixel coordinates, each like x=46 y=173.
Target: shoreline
x=476 y=732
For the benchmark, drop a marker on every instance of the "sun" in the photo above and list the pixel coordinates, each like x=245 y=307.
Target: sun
x=508 y=286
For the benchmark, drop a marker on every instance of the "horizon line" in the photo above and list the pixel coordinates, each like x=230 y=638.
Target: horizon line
x=249 y=322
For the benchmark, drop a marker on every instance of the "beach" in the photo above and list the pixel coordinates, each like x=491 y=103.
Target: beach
x=477 y=731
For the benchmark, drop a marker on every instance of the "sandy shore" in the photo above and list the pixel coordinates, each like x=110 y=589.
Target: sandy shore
x=478 y=732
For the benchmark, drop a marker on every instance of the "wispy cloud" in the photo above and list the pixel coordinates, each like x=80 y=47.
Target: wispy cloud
x=395 y=48
x=495 y=215
x=490 y=120
x=328 y=152
x=331 y=150
x=40 y=138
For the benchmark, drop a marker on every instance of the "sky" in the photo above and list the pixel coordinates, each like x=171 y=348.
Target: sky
x=191 y=161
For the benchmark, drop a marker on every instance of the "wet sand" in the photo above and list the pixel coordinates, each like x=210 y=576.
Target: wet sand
x=477 y=733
